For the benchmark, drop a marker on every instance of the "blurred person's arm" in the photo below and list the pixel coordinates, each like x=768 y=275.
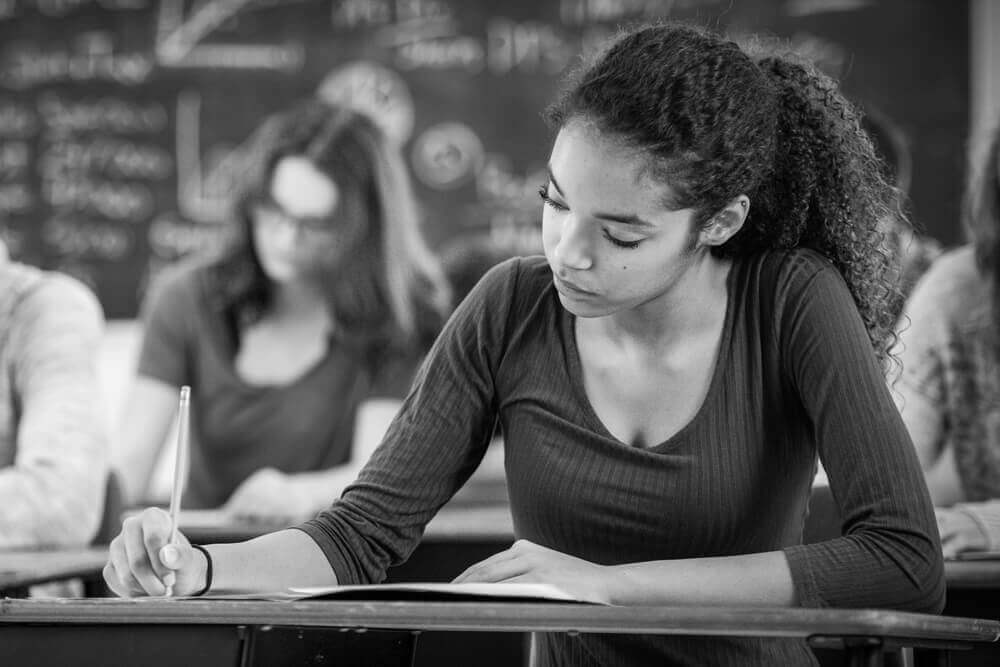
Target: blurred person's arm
x=969 y=527
x=919 y=391
x=53 y=493
x=162 y=368
x=148 y=415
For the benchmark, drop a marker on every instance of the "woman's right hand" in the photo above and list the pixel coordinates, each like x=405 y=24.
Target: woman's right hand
x=141 y=563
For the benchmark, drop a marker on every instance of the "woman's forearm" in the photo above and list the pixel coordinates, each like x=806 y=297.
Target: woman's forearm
x=272 y=562
x=762 y=579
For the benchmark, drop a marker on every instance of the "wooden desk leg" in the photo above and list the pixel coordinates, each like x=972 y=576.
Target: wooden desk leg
x=941 y=657
x=864 y=652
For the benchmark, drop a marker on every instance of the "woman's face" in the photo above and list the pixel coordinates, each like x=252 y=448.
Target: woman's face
x=295 y=232
x=611 y=241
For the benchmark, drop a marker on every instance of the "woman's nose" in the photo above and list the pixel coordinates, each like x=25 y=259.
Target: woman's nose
x=574 y=248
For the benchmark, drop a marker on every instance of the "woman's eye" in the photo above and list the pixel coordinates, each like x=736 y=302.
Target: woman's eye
x=543 y=192
x=621 y=243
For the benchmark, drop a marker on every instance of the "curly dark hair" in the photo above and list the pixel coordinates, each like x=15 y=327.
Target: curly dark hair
x=981 y=218
x=718 y=120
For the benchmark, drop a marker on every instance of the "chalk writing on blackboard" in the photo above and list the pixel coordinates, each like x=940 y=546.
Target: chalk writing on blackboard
x=92 y=56
x=375 y=90
x=179 y=36
x=447 y=155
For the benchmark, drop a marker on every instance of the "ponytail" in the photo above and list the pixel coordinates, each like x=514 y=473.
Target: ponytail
x=827 y=191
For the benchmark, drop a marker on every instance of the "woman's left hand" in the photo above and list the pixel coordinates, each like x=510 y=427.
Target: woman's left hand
x=527 y=562
x=959 y=532
x=269 y=496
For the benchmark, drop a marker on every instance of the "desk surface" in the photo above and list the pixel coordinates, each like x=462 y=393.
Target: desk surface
x=27 y=568
x=512 y=617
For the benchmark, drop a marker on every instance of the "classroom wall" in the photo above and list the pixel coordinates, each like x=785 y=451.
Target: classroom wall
x=121 y=121
x=985 y=67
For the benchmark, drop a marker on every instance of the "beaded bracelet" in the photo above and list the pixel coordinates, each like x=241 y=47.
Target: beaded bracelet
x=208 y=569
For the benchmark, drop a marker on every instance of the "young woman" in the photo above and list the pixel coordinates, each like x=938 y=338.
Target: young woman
x=949 y=389
x=707 y=318
x=326 y=300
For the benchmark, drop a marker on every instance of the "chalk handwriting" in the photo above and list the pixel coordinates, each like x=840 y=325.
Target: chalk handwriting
x=360 y=13
x=105 y=114
x=25 y=65
x=17 y=121
x=580 y=12
x=116 y=200
x=527 y=47
x=465 y=53
x=114 y=157
x=87 y=239
x=171 y=237
x=15 y=198
x=375 y=90
x=59 y=8
x=446 y=155
x=179 y=40
x=15 y=156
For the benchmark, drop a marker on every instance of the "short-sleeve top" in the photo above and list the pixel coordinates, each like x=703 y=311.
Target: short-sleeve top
x=795 y=376
x=951 y=369
x=238 y=427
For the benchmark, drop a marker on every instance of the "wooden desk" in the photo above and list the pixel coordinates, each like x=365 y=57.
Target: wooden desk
x=21 y=569
x=972 y=574
x=973 y=590
x=31 y=625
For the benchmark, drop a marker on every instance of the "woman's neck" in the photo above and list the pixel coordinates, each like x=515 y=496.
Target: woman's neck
x=298 y=301
x=693 y=306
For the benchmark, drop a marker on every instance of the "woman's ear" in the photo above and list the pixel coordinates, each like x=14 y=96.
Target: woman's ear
x=725 y=223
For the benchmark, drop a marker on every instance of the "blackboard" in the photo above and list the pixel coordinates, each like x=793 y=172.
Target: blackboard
x=121 y=120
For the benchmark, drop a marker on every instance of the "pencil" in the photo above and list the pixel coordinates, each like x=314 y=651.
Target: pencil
x=180 y=468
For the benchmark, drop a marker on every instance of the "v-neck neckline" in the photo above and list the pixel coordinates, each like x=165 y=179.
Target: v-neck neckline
x=575 y=368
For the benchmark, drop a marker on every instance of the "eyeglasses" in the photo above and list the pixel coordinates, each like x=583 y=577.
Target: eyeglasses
x=267 y=213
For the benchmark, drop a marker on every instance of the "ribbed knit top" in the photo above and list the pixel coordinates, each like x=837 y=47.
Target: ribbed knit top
x=795 y=377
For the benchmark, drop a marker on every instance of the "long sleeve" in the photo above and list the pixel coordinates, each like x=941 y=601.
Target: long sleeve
x=53 y=492
x=432 y=446
x=890 y=554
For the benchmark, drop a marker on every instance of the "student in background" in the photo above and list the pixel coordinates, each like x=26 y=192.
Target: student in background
x=324 y=302
x=949 y=388
x=708 y=317
x=53 y=444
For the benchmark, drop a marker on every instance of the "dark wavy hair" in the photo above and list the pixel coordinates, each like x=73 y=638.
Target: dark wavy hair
x=718 y=120
x=981 y=218
x=389 y=288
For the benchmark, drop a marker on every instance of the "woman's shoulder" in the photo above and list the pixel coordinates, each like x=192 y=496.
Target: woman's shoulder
x=181 y=288
x=954 y=271
x=516 y=279
x=27 y=289
x=790 y=268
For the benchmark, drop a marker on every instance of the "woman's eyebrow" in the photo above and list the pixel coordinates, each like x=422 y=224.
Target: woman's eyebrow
x=622 y=218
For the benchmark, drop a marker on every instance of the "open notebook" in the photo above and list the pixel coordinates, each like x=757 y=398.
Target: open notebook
x=409 y=592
